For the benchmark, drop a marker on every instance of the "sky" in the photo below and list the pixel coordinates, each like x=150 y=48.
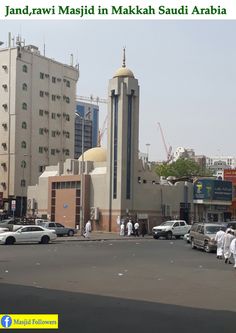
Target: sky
x=186 y=72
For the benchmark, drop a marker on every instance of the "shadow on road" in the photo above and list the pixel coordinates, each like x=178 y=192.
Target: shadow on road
x=94 y=314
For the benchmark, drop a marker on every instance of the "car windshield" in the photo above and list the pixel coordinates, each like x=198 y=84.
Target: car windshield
x=167 y=223
x=213 y=229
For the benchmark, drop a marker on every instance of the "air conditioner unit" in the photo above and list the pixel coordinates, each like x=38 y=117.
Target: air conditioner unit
x=46 y=75
x=4 y=86
x=45 y=148
x=58 y=97
x=4 y=144
x=57 y=150
x=4 y=106
x=4 y=125
x=46 y=112
x=58 y=132
x=4 y=67
x=46 y=93
x=58 y=115
x=45 y=130
x=3 y=164
x=3 y=185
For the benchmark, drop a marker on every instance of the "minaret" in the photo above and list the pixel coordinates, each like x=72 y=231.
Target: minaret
x=123 y=133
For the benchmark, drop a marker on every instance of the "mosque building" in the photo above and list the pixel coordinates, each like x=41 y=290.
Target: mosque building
x=104 y=185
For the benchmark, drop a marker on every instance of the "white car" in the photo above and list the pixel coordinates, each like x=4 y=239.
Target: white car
x=3 y=230
x=28 y=234
x=168 y=229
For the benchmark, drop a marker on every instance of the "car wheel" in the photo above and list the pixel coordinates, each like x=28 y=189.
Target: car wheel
x=155 y=237
x=192 y=244
x=177 y=237
x=207 y=248
x=45 y=240
x=169 y=235
x=10 y=241
x=71 y=233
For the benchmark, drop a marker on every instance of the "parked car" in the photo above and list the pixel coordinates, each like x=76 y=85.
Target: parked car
x=28 y=234
x=202 y=235
x=11 y=224
x=230 y=224
x=169 y=229
x=60 y=229
x=3 y=230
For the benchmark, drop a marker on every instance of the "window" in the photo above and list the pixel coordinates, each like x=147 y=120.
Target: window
x=182 y=223
x=67 y=117
x=24 y=68
x=51 y=225
x=23 y=144
x=24 y=106
x=53 y=97
x=176 y=224
x=41 y=168
x=53 y=115
x=24 y=125
x=67 y=134
x=41 y=113
x=53 y=134
x=68 y=84
x=52 y=151
x=24 y=87
x=53 y=79
x=22 y=183
x=41 y=75
x=40 y=150
x=41 y=131
x=41 y=93
x=67 y=100
x=23 y=164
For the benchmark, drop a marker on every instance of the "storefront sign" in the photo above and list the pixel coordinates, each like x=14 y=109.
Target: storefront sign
x=212 y=189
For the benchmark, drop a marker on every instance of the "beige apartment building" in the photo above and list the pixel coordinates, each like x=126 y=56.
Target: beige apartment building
x=37 y=106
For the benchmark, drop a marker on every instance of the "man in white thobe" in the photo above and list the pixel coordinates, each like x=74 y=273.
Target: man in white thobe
x=88 y=229
x=233 y=250
x=219 y=238
x=226 y=246
x=122 y=228
x=129 y=228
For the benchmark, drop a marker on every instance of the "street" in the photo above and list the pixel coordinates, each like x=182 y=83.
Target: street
x=120 y=286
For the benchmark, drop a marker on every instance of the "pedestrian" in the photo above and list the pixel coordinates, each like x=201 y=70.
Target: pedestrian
x=228 y=237
x=233 y=249
x=219 y=238
x=122 y=228
x=136 y=229
x=88 y=229
x=129 y=228
x=143 y=229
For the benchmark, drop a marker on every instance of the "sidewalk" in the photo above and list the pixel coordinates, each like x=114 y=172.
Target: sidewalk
x=101 y=236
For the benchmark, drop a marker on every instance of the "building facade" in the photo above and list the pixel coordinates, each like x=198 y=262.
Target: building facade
x=88 y=115
x=37 y=97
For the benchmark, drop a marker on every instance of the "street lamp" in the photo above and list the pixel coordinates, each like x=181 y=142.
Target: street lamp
x=82 y=178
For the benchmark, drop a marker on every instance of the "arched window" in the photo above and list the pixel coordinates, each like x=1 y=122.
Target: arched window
x=24 y=125
x=23 y=164
x=24 y=69
x=24 y=86
x=24 y=106
x=23 y=144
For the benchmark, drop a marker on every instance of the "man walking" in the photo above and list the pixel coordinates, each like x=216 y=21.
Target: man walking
x=129 y=228
x=233 y=249
x=88 y=229
x=136 y=229
x=228 y=237
x=219 y=238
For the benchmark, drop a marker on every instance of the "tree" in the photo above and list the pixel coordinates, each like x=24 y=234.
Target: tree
x=183 y=167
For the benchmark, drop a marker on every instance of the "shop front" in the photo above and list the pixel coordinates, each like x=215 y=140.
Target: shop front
x=212 y=200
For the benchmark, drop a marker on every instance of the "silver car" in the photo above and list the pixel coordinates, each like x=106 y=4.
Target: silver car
x=202 y=236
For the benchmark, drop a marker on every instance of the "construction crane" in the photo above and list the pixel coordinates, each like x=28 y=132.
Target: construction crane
x=92 y=99
x=169 y=154
x=102 y=131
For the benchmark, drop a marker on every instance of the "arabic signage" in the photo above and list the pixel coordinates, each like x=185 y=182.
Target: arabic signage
x=212 y=189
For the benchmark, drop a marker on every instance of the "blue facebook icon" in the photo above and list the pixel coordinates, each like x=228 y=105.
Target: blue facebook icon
x=6 y=321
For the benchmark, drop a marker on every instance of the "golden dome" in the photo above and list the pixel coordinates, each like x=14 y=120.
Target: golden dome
x=96 y=154
x=124 y=72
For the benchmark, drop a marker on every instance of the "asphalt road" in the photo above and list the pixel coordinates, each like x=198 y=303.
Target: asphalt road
x=120 y=286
